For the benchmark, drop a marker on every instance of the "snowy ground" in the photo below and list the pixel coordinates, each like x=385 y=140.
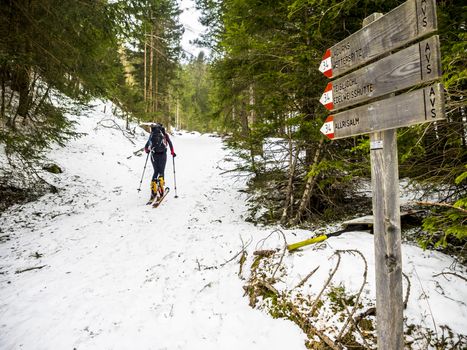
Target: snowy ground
x=112 y=273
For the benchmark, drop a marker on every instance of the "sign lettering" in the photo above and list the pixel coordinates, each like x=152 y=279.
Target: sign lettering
x=406 y=23
x=416 y=107
x=419 y=63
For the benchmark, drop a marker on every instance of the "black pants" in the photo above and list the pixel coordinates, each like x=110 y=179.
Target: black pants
x=158 y=162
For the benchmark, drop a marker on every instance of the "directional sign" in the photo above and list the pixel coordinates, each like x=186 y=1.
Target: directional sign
x=419 y=63
x=406 y=23
x=416 y=107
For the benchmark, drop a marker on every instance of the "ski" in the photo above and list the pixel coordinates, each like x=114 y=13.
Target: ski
x=158 y=200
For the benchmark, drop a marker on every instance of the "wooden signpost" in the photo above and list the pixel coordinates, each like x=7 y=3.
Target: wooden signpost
x=387 y=73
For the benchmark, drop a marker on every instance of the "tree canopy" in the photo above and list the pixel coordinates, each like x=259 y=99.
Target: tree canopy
x=261 y=85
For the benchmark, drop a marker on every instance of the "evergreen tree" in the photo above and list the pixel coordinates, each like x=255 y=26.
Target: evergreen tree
x=268 y=85
x=80 y=49
x=195 y=96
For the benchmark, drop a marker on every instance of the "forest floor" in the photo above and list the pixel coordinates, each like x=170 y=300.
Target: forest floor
x=93 y=267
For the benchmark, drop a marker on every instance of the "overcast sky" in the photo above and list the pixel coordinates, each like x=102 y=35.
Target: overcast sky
x=189 y=19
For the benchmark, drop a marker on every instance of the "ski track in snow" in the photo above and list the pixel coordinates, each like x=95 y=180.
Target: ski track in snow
x=121 y=275
x=118 y=274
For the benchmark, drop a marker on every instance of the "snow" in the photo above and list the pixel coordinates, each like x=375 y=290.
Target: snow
x=117 y=274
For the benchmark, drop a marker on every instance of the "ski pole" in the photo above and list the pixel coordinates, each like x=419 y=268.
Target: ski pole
x=147 y=157
x=175 y=179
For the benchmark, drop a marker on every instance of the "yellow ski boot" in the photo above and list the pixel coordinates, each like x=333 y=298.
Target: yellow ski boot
x=161 y=186
x=153 y=191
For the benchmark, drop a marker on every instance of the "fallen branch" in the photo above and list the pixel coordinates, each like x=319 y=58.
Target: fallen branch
x=268 y=286
x=406 y=299
x=241 y=262
x=31 y=268
x=282 y=256
x=370 y=312
x=445 y=205
x=450 y=273
x=117 y=127
x=265 y=253
x=227 y=261
x=138 y=151
x=311 y=330
x=240 y=252
x=427 y=301
x=315 y=304
x=350 y=317
x=354 y=324
x=302 y=282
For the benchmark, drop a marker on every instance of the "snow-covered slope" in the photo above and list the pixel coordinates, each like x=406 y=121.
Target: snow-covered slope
x=110 y=272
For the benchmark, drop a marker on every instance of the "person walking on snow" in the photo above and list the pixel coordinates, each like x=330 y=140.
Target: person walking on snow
x=157 y=145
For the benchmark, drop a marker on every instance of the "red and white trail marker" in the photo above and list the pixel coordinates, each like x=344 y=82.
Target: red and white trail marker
x=328 y=127
x=326 y=97
x=326 y=65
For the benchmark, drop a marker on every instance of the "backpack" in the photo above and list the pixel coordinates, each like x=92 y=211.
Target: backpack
x=158 y=141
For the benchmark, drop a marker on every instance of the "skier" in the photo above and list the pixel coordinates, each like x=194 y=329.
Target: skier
x=157 y=145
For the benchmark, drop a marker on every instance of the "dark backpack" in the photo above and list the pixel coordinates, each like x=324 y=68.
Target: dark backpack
x=158 y=142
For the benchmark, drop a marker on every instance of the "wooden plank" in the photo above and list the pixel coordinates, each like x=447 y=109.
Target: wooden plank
x=406 y=23
x=419 y=63
x=416 y=107
x=364 y=220
x=368 y=220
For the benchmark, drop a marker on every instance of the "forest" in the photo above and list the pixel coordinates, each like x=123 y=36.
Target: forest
x=258 y=85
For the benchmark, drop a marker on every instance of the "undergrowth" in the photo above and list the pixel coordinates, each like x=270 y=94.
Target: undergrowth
x=334 y=318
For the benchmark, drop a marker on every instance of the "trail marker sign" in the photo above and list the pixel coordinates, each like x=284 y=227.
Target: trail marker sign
x=416 y=107
x=417 y=64
x=406 y=23
x=386 y=72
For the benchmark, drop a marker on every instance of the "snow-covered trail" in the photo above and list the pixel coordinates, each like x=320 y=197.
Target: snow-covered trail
x=110 y=272
x=120 y=275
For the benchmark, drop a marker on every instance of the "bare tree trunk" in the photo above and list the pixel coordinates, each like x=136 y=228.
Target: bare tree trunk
x=42 y=100
x=464 y=124
x=252 y=117
x=145 y=71
x=2 y=106
x=309 y=185
x=22 y=84
x=289 y=190
x=156 y=77
x=177 y=118
x=151 y=65
x=244 y=121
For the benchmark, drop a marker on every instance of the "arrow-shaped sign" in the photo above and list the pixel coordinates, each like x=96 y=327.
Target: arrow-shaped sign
x=326 y=65
x=326 y=97
x=328 y=127
x=408 y=22
x=416 y=107
x=419 y=63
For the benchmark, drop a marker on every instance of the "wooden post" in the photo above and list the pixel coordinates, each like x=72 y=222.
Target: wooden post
x=380 y=35
x=387 y=235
